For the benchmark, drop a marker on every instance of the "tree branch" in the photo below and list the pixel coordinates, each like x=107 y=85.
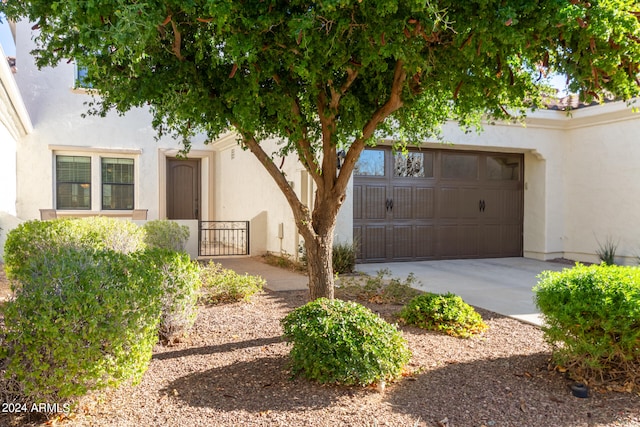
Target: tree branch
x=393 y=104
x=301 y=213
x=305 y=150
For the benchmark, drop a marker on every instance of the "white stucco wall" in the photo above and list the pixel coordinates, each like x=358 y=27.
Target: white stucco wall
x=602 y=169
x=245 y=191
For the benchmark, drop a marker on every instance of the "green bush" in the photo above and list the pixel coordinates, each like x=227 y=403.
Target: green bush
x=592 y=321
x=35 y=237
x=446 y=313
x=344 y=258
x=220 y=285
x=179 y=279
x=165 y=234
x=334 y=341
x=87 y=321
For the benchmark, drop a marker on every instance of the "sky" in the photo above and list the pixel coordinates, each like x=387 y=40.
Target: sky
x=6 y=40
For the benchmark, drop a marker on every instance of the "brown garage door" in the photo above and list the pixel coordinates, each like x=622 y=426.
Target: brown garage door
x=437 y=204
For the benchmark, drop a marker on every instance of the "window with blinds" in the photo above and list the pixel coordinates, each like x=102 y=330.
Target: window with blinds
x=117 y=183
x=73 y=182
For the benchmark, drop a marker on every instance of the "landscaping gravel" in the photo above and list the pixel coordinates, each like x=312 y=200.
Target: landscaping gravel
x=233 y=371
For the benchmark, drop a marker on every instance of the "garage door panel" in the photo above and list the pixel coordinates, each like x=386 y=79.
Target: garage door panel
x=402 y=202
x=511 y=239
x=375 y=202
x=424 y=241
x=374 y=242
x=447 y=240
x=468 y=241
x=402 y=238
x=357 y=202
x=448 y=201
x=423 y=205
x=491 y=243
x=512 y=205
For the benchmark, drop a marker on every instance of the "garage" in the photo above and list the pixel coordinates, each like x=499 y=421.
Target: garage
x=437 y=204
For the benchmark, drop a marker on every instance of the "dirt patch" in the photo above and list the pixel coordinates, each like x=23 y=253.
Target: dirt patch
x=233 y=370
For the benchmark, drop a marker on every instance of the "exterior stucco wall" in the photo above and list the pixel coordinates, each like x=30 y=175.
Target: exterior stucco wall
x=602 y=168
x=8 y=147
x=245 y=191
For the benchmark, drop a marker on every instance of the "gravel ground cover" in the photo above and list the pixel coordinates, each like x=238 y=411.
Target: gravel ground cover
x=233 y=371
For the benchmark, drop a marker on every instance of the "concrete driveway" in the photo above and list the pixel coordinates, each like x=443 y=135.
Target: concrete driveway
x=502 y=285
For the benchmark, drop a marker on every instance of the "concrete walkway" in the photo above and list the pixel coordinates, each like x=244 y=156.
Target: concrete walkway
x=278 y=279
x=502 y=285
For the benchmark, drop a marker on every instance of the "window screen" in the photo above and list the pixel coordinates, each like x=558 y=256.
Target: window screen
x=117 y=183
x=73 y=182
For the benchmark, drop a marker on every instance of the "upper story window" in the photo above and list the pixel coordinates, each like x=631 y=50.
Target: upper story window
x=73 y=182
x=81 y=78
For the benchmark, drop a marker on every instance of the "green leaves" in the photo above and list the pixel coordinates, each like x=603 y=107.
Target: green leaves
x=95 y=328
x=592 y=321
x=334 y=341
x=447 y=313
x=202 y=65
x=221 y=285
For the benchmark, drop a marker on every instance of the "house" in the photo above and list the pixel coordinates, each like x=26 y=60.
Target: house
x=558 y=187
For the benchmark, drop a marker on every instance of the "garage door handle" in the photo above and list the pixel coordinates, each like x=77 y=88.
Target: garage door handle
x=389 y=204
x=481 y=205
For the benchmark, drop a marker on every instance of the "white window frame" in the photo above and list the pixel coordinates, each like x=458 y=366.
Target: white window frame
x=96 y=155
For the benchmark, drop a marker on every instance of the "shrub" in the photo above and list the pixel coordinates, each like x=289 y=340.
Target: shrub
x=221 y=285
x=447 y=313
x=179 y=279
x=607 y=251
x=334 y=341
x=344 y=258
x=592 y=321
x=88 y=321
x=165 y=234
x=32 y=238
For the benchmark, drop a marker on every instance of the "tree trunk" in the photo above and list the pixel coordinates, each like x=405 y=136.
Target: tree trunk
x=319 y=265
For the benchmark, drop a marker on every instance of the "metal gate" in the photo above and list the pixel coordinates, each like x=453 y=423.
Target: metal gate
x=223 y=238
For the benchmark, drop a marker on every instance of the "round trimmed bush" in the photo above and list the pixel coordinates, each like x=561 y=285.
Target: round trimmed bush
x=340 y=342
x=447 y=313
x=592 y=321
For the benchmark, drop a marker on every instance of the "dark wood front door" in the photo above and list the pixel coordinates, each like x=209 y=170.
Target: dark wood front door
x=183 y=189
x=437 y=204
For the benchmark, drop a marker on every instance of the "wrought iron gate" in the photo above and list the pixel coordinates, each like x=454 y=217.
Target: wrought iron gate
x=222 y=238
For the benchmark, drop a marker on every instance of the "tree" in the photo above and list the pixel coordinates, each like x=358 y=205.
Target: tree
x=334 y=75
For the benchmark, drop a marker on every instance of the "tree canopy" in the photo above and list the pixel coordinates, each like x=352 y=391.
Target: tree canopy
x=334 y=74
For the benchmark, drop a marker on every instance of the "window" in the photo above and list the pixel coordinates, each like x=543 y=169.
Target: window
x=94 y=182
x=503 y=168
x=460 y=166
x=413 y=165
x=73 y=182
x=117 y=183
x=370 y=163
x=81 y=77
